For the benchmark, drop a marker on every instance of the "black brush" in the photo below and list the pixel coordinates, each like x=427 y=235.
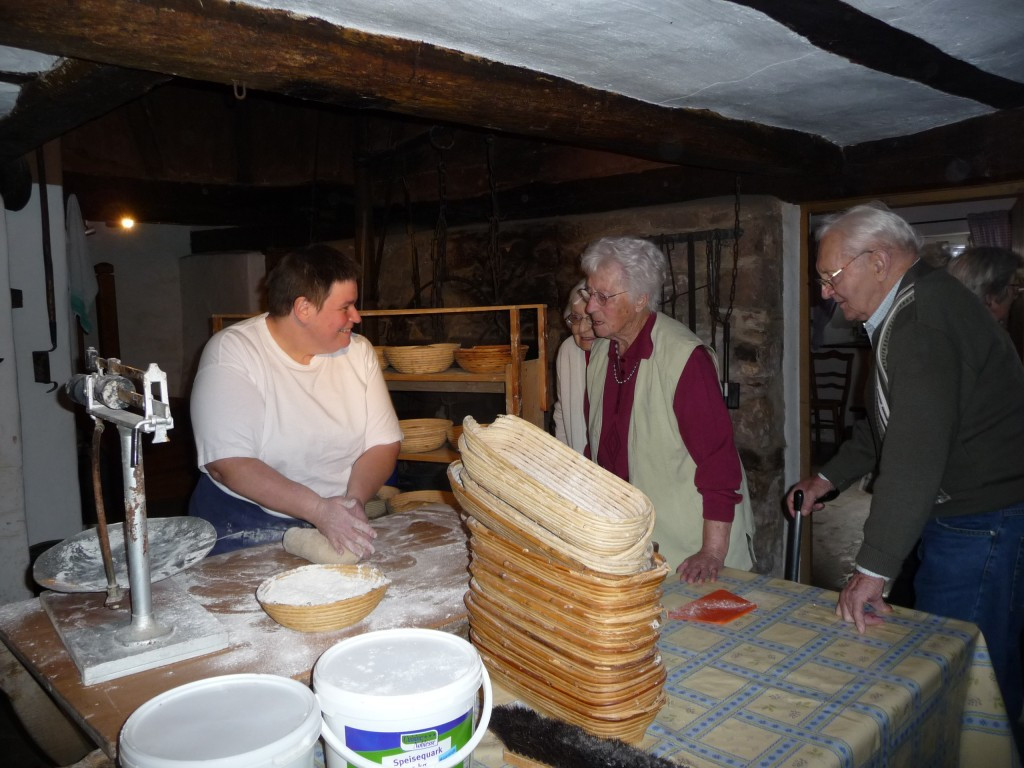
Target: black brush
x=562 y=745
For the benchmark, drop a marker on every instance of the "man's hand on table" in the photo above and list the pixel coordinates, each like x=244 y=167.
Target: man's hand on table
x=343 y=522
x=861 y=591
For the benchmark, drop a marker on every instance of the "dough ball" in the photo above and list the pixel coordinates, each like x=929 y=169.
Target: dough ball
x=312 y=545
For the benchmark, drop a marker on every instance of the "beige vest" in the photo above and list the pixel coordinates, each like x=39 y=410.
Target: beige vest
x=659 y=464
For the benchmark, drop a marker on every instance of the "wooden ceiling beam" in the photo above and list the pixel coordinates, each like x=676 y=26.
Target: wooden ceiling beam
x=72 y=93
x=981 y=150
x=307 y=58
x=841 y=29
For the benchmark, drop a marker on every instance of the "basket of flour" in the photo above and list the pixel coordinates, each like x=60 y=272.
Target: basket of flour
x=320 y=598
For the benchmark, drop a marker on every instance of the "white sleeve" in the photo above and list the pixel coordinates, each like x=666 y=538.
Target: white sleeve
x=227 y=407
x=381 y=421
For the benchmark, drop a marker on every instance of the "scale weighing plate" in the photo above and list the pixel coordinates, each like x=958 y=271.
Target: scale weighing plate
x=76 y=564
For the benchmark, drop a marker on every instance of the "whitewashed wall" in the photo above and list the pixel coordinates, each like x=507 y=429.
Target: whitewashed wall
x=13 y=531
x=145 y=261
x=35 y=421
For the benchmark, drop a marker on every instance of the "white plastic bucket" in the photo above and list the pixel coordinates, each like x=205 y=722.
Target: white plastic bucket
x=402 y=698
x=230 y=721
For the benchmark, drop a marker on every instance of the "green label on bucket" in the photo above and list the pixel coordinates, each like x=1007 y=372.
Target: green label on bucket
x=414 y=740
x=411 y=749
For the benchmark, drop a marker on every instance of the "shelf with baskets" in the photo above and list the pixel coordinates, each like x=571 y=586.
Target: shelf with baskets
x=524 y=382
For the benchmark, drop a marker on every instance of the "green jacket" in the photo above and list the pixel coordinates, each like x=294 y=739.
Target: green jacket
x=954 y=443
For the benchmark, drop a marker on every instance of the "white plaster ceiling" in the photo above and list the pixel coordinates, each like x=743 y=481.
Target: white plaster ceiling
x=699 y=54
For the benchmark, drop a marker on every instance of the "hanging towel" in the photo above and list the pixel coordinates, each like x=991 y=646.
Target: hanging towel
x=81 y=276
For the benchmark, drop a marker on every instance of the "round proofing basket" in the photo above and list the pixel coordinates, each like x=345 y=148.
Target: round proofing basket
x=490 y=358
x=419 y=435
x=324 y=617
x=403 y=502
x=424 y=358
x=382 y=358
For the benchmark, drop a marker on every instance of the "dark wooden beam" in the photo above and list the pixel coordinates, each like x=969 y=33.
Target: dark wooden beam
x=664 y=186
x=839 y=28
x=72 y=93
x=307 y=58
x=981 y=150
x=105 y=198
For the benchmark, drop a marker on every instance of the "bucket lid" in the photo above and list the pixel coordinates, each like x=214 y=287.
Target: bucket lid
x=393 y=668
x=229 y=721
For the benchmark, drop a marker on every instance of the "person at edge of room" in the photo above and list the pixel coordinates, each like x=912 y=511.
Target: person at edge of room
x=655 y=413
x=944 y=438
x=994 y=275
x=571 y=372
x=990 y=273
x=293 y=422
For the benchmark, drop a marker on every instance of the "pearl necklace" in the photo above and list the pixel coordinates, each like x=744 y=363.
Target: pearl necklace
x=615 y=368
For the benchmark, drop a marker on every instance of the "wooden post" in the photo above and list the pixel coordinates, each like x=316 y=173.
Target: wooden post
x=106 y=311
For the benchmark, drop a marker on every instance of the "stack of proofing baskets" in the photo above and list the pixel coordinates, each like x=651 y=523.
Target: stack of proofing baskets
x=564 y=600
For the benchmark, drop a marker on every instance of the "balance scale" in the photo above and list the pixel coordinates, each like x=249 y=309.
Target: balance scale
x=105 y=637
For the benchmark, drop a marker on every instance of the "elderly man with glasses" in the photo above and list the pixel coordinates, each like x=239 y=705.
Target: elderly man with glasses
x=944 y=438
x=655 y=413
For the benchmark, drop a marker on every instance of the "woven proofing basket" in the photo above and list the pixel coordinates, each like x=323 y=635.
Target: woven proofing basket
x=326 y=616
x=382 y=358
x=403 y=502
x=419 y=435
x=423 y=358
x=488 y=358
x=509 y=523
x=557 y=488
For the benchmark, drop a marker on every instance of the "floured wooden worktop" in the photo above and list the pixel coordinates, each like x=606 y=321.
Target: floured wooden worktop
x=423 y=551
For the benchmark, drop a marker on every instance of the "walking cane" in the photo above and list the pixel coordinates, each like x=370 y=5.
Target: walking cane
x=793 y=569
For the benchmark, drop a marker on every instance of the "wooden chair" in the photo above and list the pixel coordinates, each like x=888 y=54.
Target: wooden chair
x=830 y=391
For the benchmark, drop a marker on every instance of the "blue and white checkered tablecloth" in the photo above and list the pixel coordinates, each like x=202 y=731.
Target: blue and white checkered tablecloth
x=791 y=685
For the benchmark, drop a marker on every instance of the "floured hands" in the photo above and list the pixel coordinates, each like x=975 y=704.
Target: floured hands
x=345 y=525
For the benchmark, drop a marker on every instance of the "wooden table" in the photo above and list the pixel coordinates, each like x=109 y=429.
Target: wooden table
x=423 y=551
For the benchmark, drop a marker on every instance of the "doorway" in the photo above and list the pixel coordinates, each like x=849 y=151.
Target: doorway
x=941 y=219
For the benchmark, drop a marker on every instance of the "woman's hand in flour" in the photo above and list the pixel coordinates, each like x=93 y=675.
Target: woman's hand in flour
x=343 y=522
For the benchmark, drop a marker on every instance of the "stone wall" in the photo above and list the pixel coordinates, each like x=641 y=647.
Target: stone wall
x=538 y=262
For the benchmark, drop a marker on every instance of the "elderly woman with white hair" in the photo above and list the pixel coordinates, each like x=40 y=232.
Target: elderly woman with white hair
x=655 y=413
x=571 y=372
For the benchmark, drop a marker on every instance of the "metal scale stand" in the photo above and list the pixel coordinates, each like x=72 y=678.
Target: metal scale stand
x=105 y=638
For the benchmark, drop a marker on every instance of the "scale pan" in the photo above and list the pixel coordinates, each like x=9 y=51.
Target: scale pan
x=76 y=564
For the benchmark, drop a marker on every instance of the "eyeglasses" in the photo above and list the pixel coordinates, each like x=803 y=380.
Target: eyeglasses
x=573 y=320
x=601 y=298
x=830 y=281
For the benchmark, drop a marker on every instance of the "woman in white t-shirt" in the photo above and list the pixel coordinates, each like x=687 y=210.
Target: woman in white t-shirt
x=293 y=421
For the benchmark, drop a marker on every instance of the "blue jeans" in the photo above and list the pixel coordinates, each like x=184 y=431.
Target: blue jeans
x=239 y=523
x=972 y=568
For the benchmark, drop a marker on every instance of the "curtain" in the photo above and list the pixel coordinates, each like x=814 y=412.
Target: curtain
x=990 y=228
